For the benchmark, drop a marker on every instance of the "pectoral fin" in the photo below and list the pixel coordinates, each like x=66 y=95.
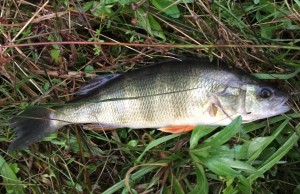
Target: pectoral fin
x=177 y=129
x=212 y=110
x=216 y=106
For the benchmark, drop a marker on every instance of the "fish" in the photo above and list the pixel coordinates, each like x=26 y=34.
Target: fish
x=172 y=95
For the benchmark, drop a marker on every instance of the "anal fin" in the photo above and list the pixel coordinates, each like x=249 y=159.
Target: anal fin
x=98 y=127
x=177 y=129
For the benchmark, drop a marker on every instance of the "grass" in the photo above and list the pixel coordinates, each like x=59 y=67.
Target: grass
x=262 y=37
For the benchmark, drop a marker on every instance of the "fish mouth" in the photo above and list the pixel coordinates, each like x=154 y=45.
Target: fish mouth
x=284 y=101
x=276 y=109
x=282 y=107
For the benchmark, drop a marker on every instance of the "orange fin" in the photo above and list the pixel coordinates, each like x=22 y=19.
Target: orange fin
x=177 y=129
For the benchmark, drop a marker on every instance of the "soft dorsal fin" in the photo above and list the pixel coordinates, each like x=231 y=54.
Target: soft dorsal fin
x=95 y=83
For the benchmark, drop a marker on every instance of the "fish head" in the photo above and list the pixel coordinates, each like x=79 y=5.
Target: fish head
x=252 y=102
x=263 y=101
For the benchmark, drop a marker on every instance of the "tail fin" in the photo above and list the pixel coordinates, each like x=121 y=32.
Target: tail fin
x=30 y=126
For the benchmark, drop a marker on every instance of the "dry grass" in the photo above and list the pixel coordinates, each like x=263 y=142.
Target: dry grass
x=48 y=50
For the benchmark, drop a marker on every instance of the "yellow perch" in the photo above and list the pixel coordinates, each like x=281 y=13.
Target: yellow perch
x=173 y=96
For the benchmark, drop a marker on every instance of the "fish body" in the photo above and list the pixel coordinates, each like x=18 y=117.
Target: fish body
x=168 y=95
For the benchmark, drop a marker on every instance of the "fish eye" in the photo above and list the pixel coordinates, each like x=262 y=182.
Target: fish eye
x=265 y=93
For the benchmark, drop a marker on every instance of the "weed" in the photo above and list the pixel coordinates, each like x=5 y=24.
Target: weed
x=65 y=43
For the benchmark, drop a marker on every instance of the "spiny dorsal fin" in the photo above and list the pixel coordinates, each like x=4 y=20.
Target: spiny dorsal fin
x=95 y=83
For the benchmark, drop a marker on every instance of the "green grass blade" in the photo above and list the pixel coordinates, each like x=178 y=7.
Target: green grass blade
x=225 y=134
x=298 y=2
x=218 y=166
x=156 y=143
x=247 y=128
x=276 y=76
x=176 y=187
x=244 y=186
x=236 y=164
x=169 y=7
x=202 y=183
x=10 y=180
x=140 y=173
x=238 y=152
x=258 y=145
x=275 y=157
x=198 y=133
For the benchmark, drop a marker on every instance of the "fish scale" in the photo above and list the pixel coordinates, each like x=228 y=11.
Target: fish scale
x=134 y=112
x=173 y=95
